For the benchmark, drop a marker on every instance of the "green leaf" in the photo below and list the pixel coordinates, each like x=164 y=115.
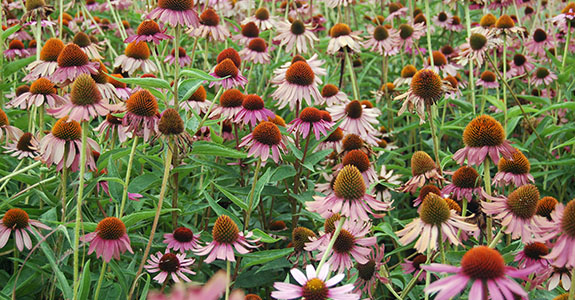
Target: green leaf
x=146 y=82
x=144 y=294
x=8 y=32
x=264 y=179
x=262 y=257
x=264 y=237
x=15 y=66
x=199 y=74
x=283 y=172
x=188 y=87
x=61 y=281
x=84 y=289
x=237 y=201
x=209 y=148
x=134 y=218
x=222 y=211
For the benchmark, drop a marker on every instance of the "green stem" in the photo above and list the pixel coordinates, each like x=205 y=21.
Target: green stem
x=497 y=238
x=441 y=247
x=434 y=137
x=504 y=79
x=352 y=74
x=166 y=176
x=252 y=192
x=330 y=245
x=427 y=274
x=61 y=18
x=218 y=94
x=177 y=65
x=38 y=37
x=487 y=182
x=572 y=290
x=228 y=279
x=392 y=291
x=64 y=190
x=471 y=62
x=128 y=174
x=410 y=285
x=428 y=16
x=100 y=279
x=79 y=207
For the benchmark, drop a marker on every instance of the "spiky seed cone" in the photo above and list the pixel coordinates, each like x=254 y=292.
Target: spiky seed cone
x=15 y=218
x=111 y=228
x=67 y=130
x=349 y=184
x=85 y=91
x=523 y=201
x=171 y=123
x=545 y=206
x=421 y=163
x=301 y=236
x=483 y=131
x=434 y=210
x=483 y=263
x=225 y=231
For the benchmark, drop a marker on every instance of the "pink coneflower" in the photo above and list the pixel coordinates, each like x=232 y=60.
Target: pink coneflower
x=543 y=76
x=454 y=24
x=313 y=62
x=226 y=237
x=561 y=227
x=476 y=48
x=310 y=120
x=296 y=34
x=109 y=240
x=48 y=62
x=423 y=169
x=533 y=254
x=516 y=212
x=483 y=136
x=249 y=32
x=182 y=239
x=230 y=74
x=67 y=135
x=312 y=286
x=122 y=90
x=12 y=133
x=262 y=19
x=406 y=76
x=265 y=137
x=360 y=160
x=424 y=191
x=170 y=265
x=230 y=105
x=368 y=274
x=136 y=57
x=73 y=62
x=409 y=34
x=357 y=119
x=343 y=38
x=442 y=65
x=26 y=146
x=16 y=220
x=566 y=16
x=256 y=52
x=42 y=91
x=442 y=19
x=331 y=95
x=85 y=103
x=102 y=79
x=253 y=111
x=142 y=114
x=176 y=13
x=349 y=198
x=149 y=31
x=539 y=43
x=183 y=58
x=435 y=217
x=426 y=89
x=210 y=27
x=486 y=268
x=16 y=49
x=520 y=65
x=112 y=127
x=383 y=41
x=396 y=10
x=350 y=243
x=514 y=171
x=197 y=101
x=212 y=290
x=83 y=41
x=337 y=3
x=465 y=184
x=488 y=80
x=333 y=141
x=414 y=266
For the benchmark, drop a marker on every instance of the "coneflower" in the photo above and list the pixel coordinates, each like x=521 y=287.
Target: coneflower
x=488 y=80
x=197 y=101
x=226 y=237
x=136 y=57
x=142 y=114
x=424 y=191
x=16 y=221
x=210 y=27
x=357 y=119
x=361 y=161
x=543 y=76
x=149 y=31
x=296 y=34
x=253 y=111
x=73 y=62
x=368 y=274
x=561 y=228
x=26 y=146
x=42 y=91
x=262 y=19
x=249 y=31
x=110 y=239
x=171 y=126
x=231 y=77
x=83 y=41
x=514 y=171
x=476 y=48
x=299 y=85
x=266 y=136
x=533 y=254
x=230 y=104
x=176 y=13
x=465 y=184
x=170 y=265
x=383 y=41
x=331 y=95
x=423 y=169
x=546 y=206
x=16 y=49
x=48 y=62
x=256 y=52
x=183 y=58
x=406 y=76
x=310 y=120
x=343 y=38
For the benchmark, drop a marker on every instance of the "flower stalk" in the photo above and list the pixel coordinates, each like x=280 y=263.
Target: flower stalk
x=79 y=208
x=128 y=174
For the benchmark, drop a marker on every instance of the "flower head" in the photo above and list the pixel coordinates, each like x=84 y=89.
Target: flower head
x=109 y=240
x=266 y=136
x=426 y=89
x=170 y=265
x=176 y=13
x=73 y=62
x=16 y=220
x=142 y=114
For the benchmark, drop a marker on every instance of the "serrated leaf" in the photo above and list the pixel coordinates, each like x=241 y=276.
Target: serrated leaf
x=210 y=148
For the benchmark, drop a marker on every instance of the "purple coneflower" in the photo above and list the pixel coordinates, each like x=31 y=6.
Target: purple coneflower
x=310 y=120
x=396 y=10
x=249 y=32
x=533 y=254
x=483 y=136
x=16 y=220
x=520 y=65
x=83 y=41
x=48 y=62
x=296 y=34
x=484 y=267
x=149 y=31
x=409 y=34
x=109 y=240
x=436 y=220
x=112 y=126
x=383 y=41
x=170 y=265
x=313 y=62
x=197 y=101
x=465 y=184
x=382 y=188
x=406 y=76
x=357 y=119
x=66 y=138
x=312 y=286
x=454 y=24
x=122 y=90
x=331 y=95
x=226 y=237
x=424 y=191
x=265 y=137
x=256 y=52
x=183 y=58
x=230 y=105
x=299 y=85
x=368 y=274
x=561 y=227
x=517 y=212
x=414 y=266
x=343 y=38
x=231 y=76
x=514 y=171
x=442 y=19
x=16 y=49
x=136 y=57
x=423 y=169
x=539 y=43
x=262 y=19
x=182 y=239
x=349 y=198
x=42 y=91
x=176 y=13
x=487 y=80
x=253 y=111
x=26 y=146
x=210 y=27
x=477 y=48
x=543 y=76
x=73 y=62
x=142 y=114
x=361 y=161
